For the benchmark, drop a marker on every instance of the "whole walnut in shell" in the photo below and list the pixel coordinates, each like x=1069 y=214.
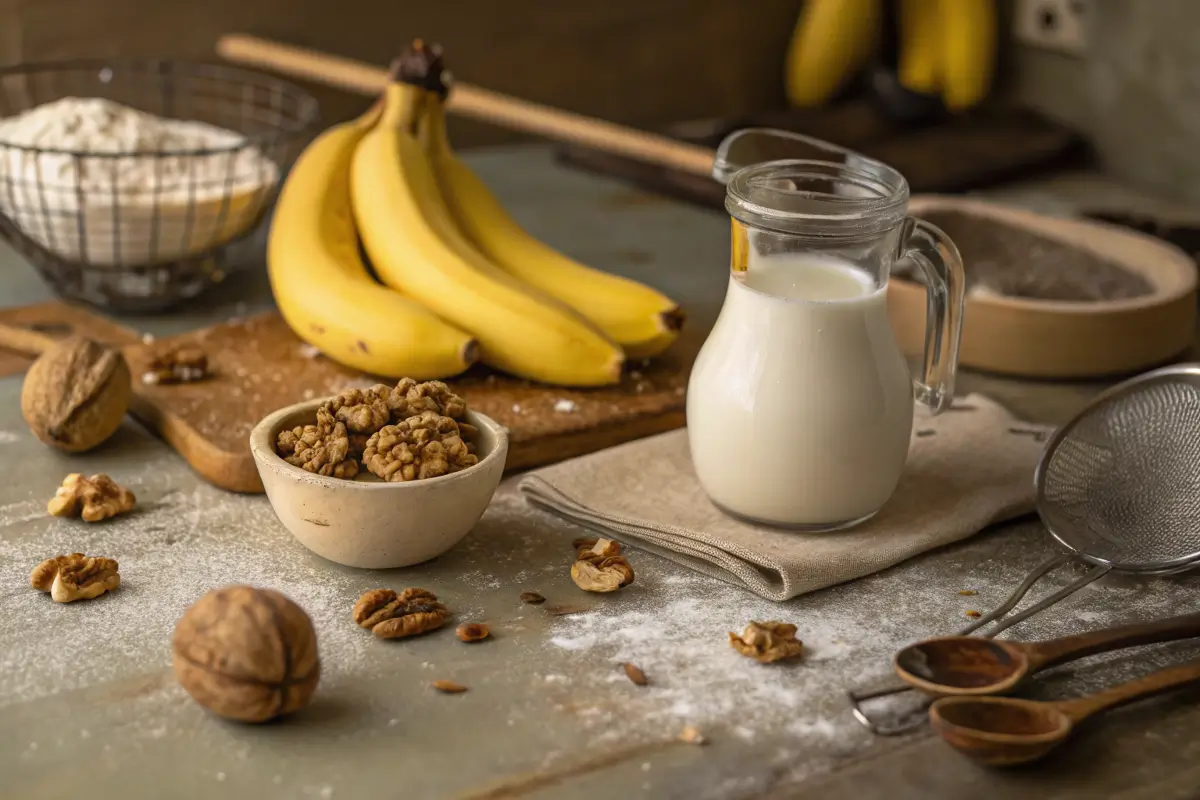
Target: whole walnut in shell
x=75 y=394
x=247 y=654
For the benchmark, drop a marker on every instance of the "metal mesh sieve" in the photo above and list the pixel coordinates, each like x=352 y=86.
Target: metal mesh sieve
x=1120 y=485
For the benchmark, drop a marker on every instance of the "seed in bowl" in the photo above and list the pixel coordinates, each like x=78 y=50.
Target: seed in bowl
x=406 y=432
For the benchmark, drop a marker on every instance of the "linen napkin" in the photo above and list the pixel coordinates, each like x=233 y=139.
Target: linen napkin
x=969 y=467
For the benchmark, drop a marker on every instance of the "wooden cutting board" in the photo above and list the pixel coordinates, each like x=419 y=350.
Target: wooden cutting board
x=259 y=365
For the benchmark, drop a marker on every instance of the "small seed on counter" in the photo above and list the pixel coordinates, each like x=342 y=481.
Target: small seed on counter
x=635 y=674
x=973 y=614
x=472 y=632
x=692 y=736
x=533 y=598
x=449 y=687
x=968 y=592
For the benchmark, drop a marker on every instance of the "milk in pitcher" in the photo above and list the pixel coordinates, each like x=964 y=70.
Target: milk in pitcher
x=800 y=404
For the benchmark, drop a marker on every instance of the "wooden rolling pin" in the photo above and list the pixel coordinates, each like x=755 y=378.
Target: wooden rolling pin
x=474 y=102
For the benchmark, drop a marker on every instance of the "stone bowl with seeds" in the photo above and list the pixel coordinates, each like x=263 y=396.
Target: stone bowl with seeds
x=383 y=477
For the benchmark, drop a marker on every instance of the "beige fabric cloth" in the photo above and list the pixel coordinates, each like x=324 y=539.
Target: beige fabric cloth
x=974 y=470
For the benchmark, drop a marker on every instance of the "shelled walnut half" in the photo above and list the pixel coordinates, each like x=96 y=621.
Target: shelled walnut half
x=393 y=616
x=767 y=641
x=425 y=446
x=323 y=448
x=94 y=499
x=600 y=567
x=75 y=577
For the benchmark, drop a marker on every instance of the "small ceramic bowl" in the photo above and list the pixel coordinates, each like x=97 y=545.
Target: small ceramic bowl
x=369 y=523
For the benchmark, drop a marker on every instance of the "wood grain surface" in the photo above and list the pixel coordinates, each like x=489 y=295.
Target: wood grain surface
x=258 y=365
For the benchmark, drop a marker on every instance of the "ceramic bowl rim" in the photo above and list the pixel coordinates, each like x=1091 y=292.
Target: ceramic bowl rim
x=264 y=453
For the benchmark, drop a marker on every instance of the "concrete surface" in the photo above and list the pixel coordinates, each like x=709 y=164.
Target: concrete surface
x=88 y=703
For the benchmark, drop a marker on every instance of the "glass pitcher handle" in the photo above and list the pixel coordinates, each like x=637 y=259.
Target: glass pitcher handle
x=945 y=288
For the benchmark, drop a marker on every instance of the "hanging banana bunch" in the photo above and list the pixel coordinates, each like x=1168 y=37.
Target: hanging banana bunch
x=946 y=48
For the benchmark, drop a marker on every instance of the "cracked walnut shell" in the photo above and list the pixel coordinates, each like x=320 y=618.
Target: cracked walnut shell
x=393 y=616
x=75 y=394
x=323 y=448
x=75 y=577
x=601 y=567
x=94 y=499
x=246 y=654
x=428 y=445
x=767 y=641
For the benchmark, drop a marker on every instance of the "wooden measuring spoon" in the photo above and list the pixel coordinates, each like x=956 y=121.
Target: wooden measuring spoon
x=1003 y=731
x=973 y=666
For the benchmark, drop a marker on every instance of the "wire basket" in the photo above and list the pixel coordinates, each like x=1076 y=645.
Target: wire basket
x=133 y=230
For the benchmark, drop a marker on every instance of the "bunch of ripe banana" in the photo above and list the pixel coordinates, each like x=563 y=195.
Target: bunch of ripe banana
x=945 y=46
x=461 y=280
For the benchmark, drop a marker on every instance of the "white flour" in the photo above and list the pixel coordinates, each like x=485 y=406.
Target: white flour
x=155 y=202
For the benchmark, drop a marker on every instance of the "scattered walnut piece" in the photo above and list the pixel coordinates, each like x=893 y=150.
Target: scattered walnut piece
x=449 y=687
x=767 y=641
x=182 y=364
x=323 y=448
x=692 y=735
x=392 y=616
x=75 y=577
x=94 y=499
x=533 y=598
x=635 y=674
x=472 y=631
x=601 y=567
x=584 y=542
x=425 y=446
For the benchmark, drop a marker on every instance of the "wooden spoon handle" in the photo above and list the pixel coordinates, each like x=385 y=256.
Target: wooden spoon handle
x=1155 y=683
x=473 y=101
x=24 y=340
x=1069 y=648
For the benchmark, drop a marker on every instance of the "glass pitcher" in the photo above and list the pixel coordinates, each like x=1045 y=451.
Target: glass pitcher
x=800 y=403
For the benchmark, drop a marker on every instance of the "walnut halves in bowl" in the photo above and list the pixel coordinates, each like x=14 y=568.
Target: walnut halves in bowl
x=407 y=432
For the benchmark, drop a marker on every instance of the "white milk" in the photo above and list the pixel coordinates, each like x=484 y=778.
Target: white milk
x=800 y=403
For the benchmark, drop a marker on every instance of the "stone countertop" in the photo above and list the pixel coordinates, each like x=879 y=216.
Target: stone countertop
x=88 y=702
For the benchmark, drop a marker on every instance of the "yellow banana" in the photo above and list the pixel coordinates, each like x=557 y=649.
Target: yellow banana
x=641 y=320
x=920 y=46
x=324 y=291
x=968 y=32
x=832 y=41
x=414 y=246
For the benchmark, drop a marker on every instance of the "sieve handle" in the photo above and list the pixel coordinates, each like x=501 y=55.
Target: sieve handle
x=945 y=293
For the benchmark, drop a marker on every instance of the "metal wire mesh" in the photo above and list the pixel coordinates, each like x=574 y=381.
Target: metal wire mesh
x=1121 y=484
x=142 y=231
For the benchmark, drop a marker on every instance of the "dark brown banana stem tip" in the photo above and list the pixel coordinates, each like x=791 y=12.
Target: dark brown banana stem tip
x=419 y=65
x=674 y=319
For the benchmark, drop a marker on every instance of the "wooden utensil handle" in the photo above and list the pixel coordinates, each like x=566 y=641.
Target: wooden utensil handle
x=473 y=101
x=1155 y=683
x=1069 y=648
x=24 y=340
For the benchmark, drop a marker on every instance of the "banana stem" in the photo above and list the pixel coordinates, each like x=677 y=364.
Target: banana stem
x=433 y=125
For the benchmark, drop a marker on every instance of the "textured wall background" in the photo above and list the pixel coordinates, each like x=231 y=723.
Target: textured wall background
x=1136 y=94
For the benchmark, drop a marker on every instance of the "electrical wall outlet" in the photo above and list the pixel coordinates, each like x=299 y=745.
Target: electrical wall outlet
x=1059 y=25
